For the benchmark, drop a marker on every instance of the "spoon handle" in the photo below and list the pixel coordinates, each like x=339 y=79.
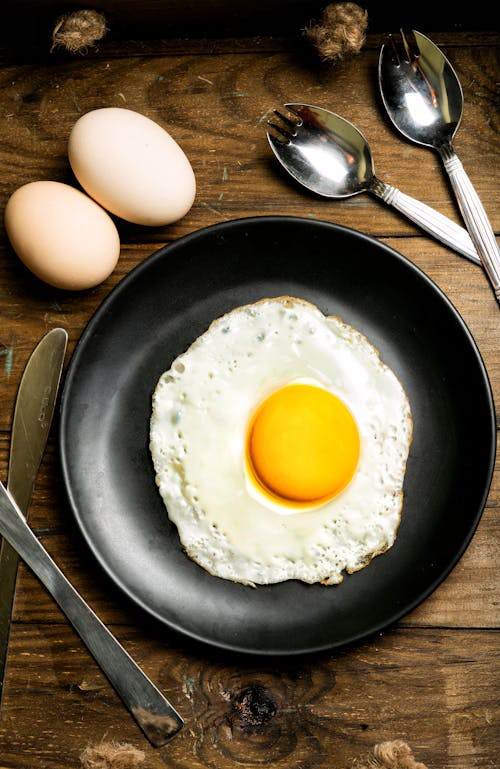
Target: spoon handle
x=154 y=714
x=475 y=217
x=436 y=224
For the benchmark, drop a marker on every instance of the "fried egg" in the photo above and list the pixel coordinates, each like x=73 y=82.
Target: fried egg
x=279 y=442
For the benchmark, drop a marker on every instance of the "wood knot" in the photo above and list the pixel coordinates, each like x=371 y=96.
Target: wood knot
x=253 y=707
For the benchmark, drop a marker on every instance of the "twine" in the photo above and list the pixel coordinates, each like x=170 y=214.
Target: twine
x=340 y=31
x=76 y=32
x=111 y=755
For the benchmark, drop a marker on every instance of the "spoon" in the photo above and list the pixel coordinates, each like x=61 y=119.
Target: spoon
x=424 y=100
x=328 y=155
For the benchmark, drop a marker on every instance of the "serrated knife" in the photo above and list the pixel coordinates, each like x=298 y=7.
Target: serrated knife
x=33 y=412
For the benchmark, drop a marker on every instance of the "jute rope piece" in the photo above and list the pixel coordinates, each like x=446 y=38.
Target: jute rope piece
x=340 y=32
x=111 y=755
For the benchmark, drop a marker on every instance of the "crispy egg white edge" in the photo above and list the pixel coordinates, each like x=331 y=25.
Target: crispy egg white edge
x=207 y=552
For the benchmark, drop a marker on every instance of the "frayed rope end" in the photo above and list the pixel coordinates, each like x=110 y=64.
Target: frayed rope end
x=111 y=755
x=77 y=32
x=390 y=755
x=340 y=32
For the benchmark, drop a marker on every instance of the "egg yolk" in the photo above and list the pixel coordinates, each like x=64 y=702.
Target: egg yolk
x=302 y=445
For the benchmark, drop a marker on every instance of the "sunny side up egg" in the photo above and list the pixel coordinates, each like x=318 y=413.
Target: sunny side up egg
x=279 y=442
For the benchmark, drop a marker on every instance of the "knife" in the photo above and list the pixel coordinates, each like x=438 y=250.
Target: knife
x=34 y=409
x=153 y=712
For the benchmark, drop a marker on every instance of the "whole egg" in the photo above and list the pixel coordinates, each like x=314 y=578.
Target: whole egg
x=64 y=237
x=131 y=166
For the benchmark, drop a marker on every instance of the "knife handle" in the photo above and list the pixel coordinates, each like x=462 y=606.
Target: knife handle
x=155 y=715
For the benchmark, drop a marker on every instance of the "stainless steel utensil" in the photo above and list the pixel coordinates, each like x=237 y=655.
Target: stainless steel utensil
x=35 y=403
x=152 y=711
x=328 y=155
x=424 y=100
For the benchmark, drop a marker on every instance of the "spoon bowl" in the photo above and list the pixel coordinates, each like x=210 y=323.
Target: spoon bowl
x=423 y=98
x=421 y=92
x=329 y=156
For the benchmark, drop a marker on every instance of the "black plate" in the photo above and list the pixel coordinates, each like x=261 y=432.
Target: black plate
x=157 y=310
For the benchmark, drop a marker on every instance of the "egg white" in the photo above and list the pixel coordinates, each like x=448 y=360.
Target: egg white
x=201 y=408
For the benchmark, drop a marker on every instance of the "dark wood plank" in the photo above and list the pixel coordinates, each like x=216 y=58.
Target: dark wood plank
x=30 y=23
x=216 y=107
x=431 y=688
x=432 y=679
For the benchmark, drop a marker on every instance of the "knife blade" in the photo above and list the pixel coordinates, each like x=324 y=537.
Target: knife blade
x=33 y=412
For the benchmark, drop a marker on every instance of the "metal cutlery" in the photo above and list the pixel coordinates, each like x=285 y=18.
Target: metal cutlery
x=33 y=412
x=155 y=715
x=424 y=100
x=330 y=156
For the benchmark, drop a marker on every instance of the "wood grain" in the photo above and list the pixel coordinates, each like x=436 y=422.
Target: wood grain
x=432 y=679
x=433 y=690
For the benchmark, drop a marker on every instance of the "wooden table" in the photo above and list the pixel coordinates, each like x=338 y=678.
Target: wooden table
x=430 y=680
